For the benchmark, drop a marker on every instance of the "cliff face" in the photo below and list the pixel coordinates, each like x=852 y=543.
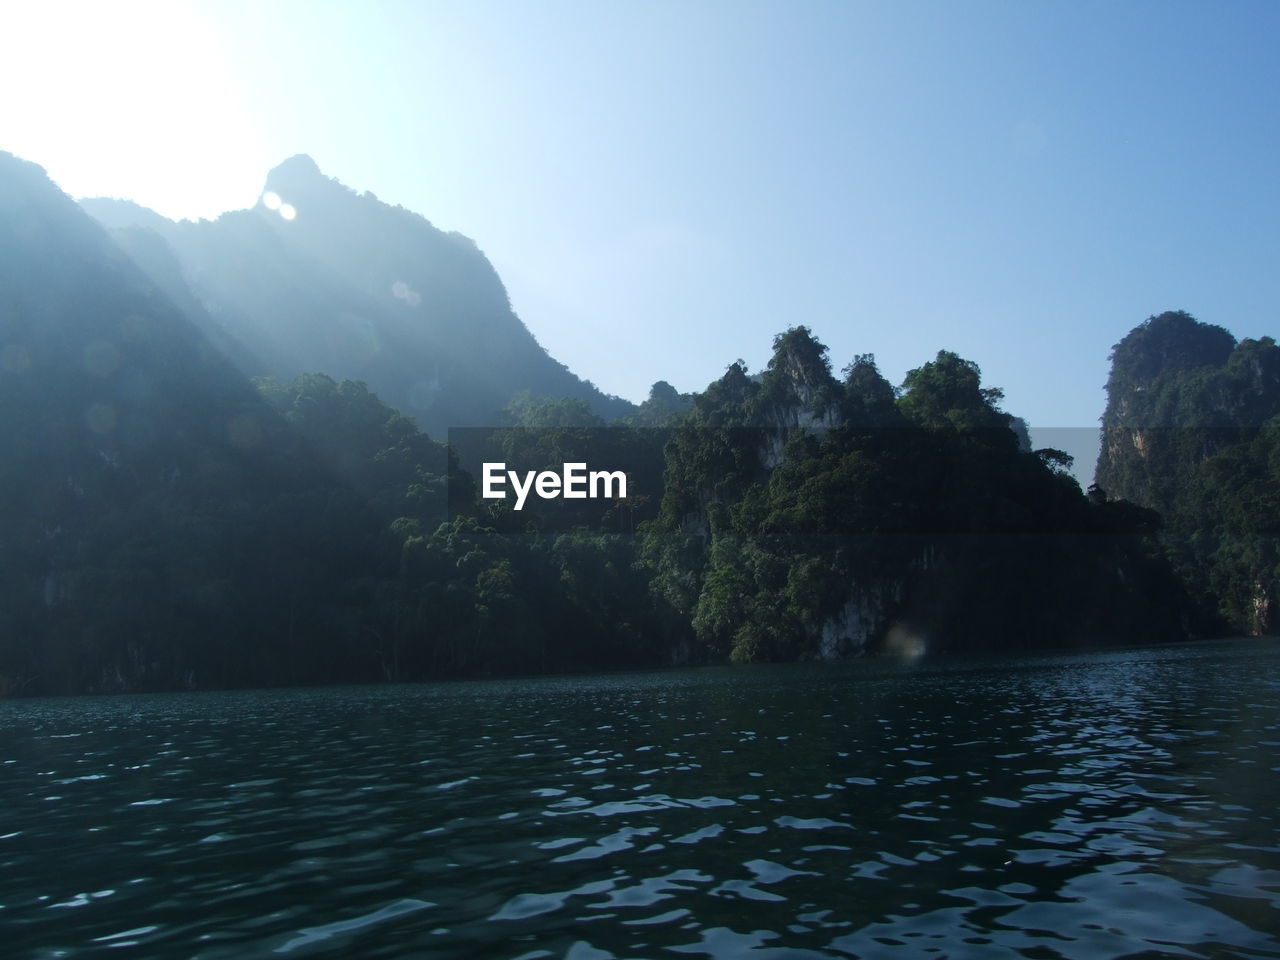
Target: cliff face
x=800 y=397
x=1192 y=430
x=315 y=278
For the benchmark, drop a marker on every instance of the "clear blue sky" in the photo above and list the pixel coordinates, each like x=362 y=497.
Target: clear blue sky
x=665 y=186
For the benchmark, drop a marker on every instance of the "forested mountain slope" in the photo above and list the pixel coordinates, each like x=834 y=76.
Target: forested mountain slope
x=163 y=524
x=166 y=523
x=1192 y=430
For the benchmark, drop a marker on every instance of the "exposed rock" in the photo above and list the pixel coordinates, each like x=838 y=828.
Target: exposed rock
x=860 y=621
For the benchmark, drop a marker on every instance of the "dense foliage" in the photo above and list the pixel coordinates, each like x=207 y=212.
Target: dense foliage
x=167 y=525
x=1193 y=431
x=170 y=524
x=917 y=520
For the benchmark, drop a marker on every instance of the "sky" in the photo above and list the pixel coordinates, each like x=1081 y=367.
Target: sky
x=665 y=186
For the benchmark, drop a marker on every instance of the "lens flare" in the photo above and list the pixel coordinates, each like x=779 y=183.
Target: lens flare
x=905 y=643
x=15 y=358
x=100 y=418
x=287 y=211
x=245 y=431
x=101 y=358
x=271 y=200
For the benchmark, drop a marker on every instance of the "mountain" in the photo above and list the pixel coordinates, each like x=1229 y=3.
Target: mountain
x=161 y=523
x=167 y=523
x=316 y=278
x=806 y=516
x=1192 y=430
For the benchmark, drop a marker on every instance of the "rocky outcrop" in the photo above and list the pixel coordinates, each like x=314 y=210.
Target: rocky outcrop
x=1263 y=609
x=861 y=621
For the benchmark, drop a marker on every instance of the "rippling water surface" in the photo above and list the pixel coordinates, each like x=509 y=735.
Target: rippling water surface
x=1118 y=804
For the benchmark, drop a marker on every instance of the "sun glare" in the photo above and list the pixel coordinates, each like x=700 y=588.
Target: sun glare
x=140 y=100
x=272 y=201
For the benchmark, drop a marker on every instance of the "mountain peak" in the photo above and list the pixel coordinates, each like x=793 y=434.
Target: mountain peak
x=299 y=173
x=300 y=164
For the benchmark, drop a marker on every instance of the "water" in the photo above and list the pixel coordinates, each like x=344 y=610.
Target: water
x=1118 y=804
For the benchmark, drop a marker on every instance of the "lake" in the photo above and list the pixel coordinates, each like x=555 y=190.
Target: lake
x=1085 y=805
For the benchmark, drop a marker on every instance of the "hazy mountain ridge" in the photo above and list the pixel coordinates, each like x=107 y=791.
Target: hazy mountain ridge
x=149 y=492
x=357 y=289
x=166 y=525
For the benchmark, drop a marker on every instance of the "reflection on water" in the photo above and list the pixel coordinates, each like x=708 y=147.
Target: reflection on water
x=1117 y=804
